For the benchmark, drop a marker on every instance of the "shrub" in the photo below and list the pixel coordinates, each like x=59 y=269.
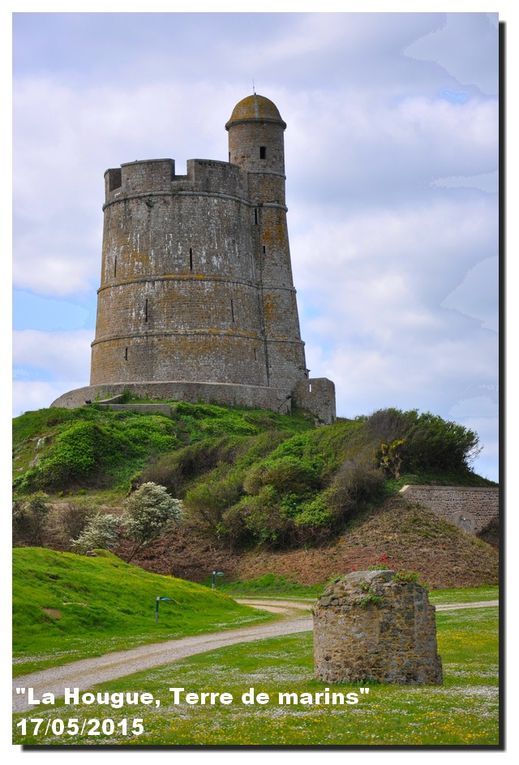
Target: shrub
x=101 y=531
x=431 y=443
x=232 y=527
x=166 y=471
x=390 y=457
x=95 y=447
x=29 y=517
x=149 y=510
x=264 y=520
x=356 y=484
x=285 y=474
x=64 y=523
x=386 y=425
x=176 y=469
x=73 y=455
x=315 y=513
x=207 y=501
x=436 y=444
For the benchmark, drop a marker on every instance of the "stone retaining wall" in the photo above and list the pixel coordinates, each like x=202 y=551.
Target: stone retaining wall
x=470 y=508
x=209 y=393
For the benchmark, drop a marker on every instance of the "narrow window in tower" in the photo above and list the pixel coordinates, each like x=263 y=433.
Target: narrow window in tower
x=232 y=310
x=255 y=216
x=146 y=310
x=255 y=355
x=115 y=266
x=263 y=152
x=126 y=354
x=310 y=388
x=264 y=249
x=190 y=259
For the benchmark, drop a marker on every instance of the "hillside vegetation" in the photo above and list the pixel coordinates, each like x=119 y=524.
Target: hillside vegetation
x=68 y=607
x=246 y=477
x=395 y=534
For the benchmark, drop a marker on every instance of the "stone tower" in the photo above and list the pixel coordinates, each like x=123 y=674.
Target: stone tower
x=256 y=144
x=197 y=300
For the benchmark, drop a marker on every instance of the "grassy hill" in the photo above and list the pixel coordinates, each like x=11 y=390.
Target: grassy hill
x=247 y=477
x=67 y=607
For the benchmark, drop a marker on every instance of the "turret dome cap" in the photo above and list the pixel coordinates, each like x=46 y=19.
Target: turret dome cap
x=255 y=108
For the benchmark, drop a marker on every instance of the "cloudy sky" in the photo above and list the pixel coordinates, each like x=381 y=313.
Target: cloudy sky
x=391 y=152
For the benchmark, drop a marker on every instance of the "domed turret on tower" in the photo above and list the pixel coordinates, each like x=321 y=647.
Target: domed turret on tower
x=256 y=141
x=255 y=107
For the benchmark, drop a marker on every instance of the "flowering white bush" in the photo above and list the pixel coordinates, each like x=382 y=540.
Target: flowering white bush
x=101 y=531
x=149 y=510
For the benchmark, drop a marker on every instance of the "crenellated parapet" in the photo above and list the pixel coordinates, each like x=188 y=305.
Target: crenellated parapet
x=157 y=176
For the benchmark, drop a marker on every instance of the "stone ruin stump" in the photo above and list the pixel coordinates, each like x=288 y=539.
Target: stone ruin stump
x=372 y=625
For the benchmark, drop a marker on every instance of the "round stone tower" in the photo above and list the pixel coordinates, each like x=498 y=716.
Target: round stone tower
x=197 y=300
x=179 y=297
x=256 y=144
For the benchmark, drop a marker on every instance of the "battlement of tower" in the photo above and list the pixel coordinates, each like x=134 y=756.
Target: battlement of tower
x=155 y=176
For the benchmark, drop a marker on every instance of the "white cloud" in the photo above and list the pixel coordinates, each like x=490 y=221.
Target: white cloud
x=477 y=295
x=465 y=45
x=64 y=355
x=31 y=395
x=383 y=275
x=58 y=172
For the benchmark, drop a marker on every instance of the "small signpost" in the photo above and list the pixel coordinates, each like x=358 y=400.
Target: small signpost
x=213 y=578
x=157 y=603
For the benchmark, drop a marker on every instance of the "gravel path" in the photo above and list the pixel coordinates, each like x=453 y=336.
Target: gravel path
x=89 y=672
x=459 y=606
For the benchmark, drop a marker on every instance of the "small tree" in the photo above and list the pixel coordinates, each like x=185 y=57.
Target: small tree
x=390 y=457
x=149 y=510
x=101 y=531
x=29 y=518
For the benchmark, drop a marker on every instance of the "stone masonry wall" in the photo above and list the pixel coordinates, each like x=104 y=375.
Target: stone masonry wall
x=369 y=625
x=316 y=395
x=209 y=393
x=470 y=508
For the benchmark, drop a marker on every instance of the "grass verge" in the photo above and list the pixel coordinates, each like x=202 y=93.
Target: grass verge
x=275 y=586
x=68 y=607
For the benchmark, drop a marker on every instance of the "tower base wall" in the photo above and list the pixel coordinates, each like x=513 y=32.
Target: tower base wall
x=319 y=403
x=225 y=394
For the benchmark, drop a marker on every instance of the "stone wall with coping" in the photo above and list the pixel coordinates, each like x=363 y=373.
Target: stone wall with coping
x=204 y=392
x=470 y=508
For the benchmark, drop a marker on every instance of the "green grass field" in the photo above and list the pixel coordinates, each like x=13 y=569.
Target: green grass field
x=275 y=586
x=463 y=711
x=68 y=607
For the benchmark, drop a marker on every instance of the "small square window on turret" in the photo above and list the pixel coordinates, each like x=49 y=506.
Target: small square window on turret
x=263 y=152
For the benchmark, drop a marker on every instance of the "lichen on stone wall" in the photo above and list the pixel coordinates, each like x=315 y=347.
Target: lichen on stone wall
x=373 y=625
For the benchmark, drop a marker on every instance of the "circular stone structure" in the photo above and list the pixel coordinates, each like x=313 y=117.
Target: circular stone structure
x=197 y=299
x=376 y=625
